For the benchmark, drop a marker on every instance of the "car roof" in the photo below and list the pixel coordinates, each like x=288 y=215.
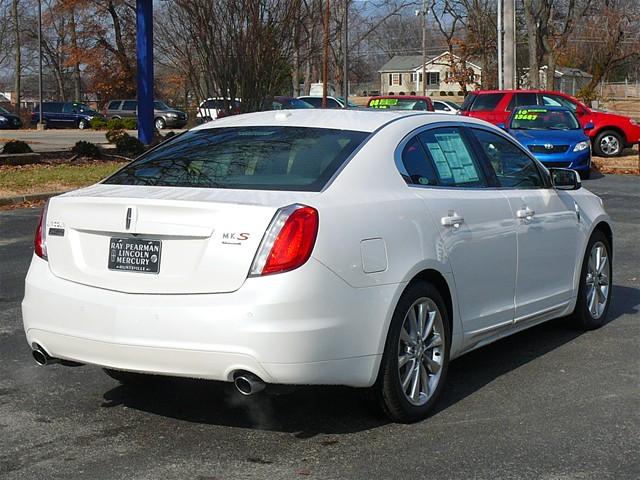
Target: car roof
x=532 y=90
x=363 y=120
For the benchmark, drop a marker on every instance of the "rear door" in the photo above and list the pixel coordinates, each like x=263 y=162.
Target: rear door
x=547 y=228
x=476 y=226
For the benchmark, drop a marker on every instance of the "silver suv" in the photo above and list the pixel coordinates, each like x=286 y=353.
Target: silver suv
x=163 y=115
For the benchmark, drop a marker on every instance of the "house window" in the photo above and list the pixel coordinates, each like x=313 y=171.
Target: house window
x=433 y=78
x=390 y=79
x=396 y=79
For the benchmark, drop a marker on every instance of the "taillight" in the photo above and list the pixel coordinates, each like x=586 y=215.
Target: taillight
x=40 y=240
x=288 y=242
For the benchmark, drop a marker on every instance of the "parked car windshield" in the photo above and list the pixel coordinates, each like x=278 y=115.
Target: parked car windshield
x=158 y=105
x=397 y=104
x=251 y=158
x=543 y=119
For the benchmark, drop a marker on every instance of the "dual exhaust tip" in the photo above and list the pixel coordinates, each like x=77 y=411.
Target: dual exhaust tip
x=246 y=383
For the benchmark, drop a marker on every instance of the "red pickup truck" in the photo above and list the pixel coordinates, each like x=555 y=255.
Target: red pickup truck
x=610 y=134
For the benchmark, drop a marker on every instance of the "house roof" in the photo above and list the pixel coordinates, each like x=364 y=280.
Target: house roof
x=402 y=63
x=406 y=63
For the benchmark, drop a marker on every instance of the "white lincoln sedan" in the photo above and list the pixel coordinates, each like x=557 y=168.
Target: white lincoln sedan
x=355 y=248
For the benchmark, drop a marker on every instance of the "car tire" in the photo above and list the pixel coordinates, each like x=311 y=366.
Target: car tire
x=82 y=124
x=585 y=174
x=414 y=365
x=594 y=290
x=130 y=378
x=608 y=144
x=160 y=123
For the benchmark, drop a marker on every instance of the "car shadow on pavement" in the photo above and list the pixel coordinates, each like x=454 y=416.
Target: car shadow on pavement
x=312 y=410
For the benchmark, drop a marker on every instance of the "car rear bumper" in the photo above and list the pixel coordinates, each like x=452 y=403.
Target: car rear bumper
x=301 y=327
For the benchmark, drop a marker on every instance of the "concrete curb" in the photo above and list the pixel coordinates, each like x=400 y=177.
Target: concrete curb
x=33 y=197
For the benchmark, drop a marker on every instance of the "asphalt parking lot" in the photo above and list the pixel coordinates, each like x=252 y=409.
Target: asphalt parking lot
x=549 y=403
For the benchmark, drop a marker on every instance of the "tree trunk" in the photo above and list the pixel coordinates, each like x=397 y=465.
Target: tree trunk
x=551 y=71
x=532 y=31
x=18 y=59
x=77 y=82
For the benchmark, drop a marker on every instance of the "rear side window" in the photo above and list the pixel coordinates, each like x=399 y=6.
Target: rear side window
x=452 y=157
x=316 y=102
x=558 y=101
x=250 y=158
x=486 y=102
x=52 y=107
x=418 y=168
x=522 y=99
x=114 y=105
x=129 y=105
x=468 y=101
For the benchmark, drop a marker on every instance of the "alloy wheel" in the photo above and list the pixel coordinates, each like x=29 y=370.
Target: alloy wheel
x=609 y=145
x=421 y=351
x=597 y=280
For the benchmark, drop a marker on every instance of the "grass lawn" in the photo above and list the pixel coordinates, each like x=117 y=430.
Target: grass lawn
x=21 y=180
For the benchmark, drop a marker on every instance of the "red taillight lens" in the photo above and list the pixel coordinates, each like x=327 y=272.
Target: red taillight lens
x=288 y=242
x=39 y=241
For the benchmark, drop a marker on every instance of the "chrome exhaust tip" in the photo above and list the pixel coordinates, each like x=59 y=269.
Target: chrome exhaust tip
x=248 y=383
x=41 y=357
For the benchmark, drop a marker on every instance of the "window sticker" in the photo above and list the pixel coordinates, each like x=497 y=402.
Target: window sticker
x=383 y=102
x=529 y=114
x=452 y=158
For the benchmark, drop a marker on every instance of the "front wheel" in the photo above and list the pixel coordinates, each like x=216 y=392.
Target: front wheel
x=594 y=292
x=416 y=355
x=82 y=124
x=160 y=123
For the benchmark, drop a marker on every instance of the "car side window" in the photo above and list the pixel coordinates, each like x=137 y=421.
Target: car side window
x=558 y=101
x=114 y=105
x=452 y=158
x=513 y=167
x=67 y=108
x=486 y=102
x=331 y=103
x=521 y=100
x=416 y=164
x=440 y=107
x=129 y=105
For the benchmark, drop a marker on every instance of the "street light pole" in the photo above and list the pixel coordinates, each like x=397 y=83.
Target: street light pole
x=41 y=124
x=325 y=59
x=345 y=54
x=423 y=14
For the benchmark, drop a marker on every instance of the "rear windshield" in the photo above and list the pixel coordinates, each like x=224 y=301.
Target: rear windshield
x=487 y=101
x=468 y=101
x=252 y=158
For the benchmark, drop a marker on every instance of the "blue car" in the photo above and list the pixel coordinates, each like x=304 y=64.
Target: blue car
x=65 y=114
x=553 y=135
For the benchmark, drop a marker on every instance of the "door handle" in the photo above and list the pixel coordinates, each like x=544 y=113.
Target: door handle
x=452 y=220
x=525 y=213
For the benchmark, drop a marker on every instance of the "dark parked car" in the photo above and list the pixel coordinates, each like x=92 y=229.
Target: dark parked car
x=163 y=115
x=8 y=119
x=64 y=114
x=288 y=103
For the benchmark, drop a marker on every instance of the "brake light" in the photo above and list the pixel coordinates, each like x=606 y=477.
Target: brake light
x=40 y=240
x=288 y=242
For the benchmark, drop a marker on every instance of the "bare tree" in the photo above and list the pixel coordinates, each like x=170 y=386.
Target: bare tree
x=17 y=56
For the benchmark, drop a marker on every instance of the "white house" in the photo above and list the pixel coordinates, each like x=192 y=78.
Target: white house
x=403 y=75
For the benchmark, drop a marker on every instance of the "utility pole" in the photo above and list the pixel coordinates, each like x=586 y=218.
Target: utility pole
x=41 y=124
x=345 y=54
x=18 y=60
x=500 y=55
x=509 y=44
x=325 y=59
x=423 y=14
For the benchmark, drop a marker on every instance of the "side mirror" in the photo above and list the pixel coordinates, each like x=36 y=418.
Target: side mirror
x=501 y=126
x=589 y=126
x=565 y=179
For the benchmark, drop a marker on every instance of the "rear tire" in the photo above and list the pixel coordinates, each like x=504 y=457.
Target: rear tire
x=594 y=291
x=414 y=365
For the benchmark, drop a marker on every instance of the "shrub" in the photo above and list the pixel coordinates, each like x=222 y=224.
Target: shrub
x=129 y=146
x=86 y=149
x=16 y=146
x=115 y=124
x=114 y=135
x=97 y=123
x=130 y=123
